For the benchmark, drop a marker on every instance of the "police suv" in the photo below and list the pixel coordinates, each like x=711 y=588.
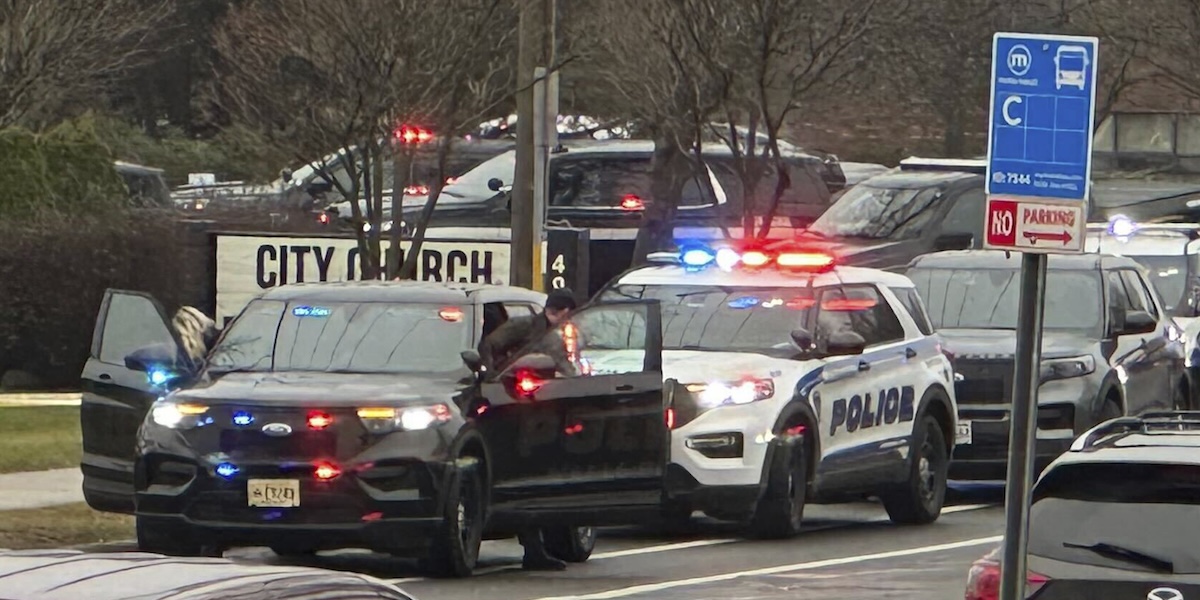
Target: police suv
x=793 y=380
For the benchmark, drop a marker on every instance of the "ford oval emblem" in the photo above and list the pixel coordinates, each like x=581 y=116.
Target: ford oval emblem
x=277 y=429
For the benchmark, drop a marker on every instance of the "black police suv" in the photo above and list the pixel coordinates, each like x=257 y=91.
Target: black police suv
x=1108 y=349
x=356 y=414
x=1115 y=517
x=925 y=205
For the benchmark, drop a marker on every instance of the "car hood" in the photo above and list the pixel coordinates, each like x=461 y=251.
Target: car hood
x=696 y=366
x=323 y=388
x=967 y=344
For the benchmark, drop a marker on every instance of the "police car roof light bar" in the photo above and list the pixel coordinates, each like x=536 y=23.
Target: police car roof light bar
x=1122 y=226
x=947 y=165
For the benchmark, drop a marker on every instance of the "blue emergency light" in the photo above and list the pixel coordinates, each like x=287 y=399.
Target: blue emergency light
x=227 y=470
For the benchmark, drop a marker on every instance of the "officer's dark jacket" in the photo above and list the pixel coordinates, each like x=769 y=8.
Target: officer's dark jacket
x=518 y=332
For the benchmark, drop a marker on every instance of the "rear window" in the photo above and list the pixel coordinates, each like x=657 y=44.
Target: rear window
x=1118 y=508
x=606 y=182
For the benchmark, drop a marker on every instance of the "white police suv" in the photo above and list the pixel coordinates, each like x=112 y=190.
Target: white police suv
x=792 y=380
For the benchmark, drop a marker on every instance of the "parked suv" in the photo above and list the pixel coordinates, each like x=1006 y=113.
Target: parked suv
x=1109 y=348
x=1117 y=516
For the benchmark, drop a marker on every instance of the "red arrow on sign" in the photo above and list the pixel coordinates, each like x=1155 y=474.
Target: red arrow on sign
x=1064 y=237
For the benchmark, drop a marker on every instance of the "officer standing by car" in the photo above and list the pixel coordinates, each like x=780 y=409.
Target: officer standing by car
x=513 y=335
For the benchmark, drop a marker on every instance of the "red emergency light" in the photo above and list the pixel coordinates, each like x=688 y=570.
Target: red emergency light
x=631 y=202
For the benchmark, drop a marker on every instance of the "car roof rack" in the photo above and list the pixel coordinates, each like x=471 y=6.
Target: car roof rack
x=977 y=166
x=1172 y=420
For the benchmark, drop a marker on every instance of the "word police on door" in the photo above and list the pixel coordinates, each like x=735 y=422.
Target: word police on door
x=247 y=265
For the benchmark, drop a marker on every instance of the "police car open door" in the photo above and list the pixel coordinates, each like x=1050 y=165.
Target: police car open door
x=118 y=389
x=576 y=422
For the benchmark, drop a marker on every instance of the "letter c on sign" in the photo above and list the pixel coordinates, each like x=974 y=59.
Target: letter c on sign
x=1009 y=101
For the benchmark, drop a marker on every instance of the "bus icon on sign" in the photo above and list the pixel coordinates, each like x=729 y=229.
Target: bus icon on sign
x=1070 y=67
x=1019 y=60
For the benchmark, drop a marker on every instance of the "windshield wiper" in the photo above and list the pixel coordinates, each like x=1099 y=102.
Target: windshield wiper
x=1128 y=555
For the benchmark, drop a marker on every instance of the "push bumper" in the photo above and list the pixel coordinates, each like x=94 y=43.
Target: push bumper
x=393 y=507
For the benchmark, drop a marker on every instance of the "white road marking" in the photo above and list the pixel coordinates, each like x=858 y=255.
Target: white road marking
x=697 y=543
x=818 y=564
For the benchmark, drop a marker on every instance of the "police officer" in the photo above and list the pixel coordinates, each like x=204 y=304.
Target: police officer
x=495 y=349
x=518 y=332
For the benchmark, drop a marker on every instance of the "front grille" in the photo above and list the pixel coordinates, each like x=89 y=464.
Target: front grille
x=254 y=445
x=314 y=509
x=984 y=381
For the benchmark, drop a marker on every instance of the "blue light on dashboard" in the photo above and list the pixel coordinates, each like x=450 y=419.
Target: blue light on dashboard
x=242 y=417
x=227 y=470
x=1122 y=226
x=159 y=377
x=311 y=311
x=744 y=302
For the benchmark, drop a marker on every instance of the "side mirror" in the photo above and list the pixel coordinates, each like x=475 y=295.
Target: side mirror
x=160 y=362
x=1138 y=321
x=472 y=359
x=845 y=343
x=954 y=241
x=495 y=184
x=803 y=339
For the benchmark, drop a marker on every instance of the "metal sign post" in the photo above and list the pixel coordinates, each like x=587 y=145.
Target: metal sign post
x=1038 y=178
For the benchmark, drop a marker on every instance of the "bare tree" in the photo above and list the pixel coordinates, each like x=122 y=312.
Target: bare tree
x=772 y=57
x=57 y=55
x=642 y=64
x=346 y=76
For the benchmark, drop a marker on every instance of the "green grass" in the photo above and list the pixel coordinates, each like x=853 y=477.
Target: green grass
x=60 y=526
x=35 y=438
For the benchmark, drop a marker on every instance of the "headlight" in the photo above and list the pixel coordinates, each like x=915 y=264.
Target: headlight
x=411 y=418
x=179 y=415
x=1066 y=368
x=721 y=393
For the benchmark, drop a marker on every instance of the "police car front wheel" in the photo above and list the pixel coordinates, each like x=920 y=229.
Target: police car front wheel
x=919 y=500
x=456 y=545
x=781 y=509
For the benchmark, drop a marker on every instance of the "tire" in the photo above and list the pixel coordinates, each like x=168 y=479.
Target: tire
x=919 y=501
x=455 y=548
x=1110 y=410
x=153 y=537
x=570 y=544
x=780 y=511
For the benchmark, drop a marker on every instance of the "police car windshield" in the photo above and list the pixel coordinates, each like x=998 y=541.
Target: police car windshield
x=1150 y=511
x=877 y=212
x=987 y=299
x=722 y=318
x=344 y=337
x=1168 y=274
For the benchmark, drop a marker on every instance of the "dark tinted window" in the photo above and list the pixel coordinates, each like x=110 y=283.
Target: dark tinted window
x=725 y=318
x=603 y=182
x=987 y=298
x=132 y=322
x=805 y=190
x=966 y=212
x=859 y=309
x=915 y=307
x=345 y=337
x=1152 y=509
x=868 y=211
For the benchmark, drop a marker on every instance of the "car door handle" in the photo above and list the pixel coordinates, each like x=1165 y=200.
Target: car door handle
x=910 y=353
x=625 y=388
x=864 y=365
x=105 y=376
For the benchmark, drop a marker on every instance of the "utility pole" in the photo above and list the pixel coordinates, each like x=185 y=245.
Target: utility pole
x=529 y=53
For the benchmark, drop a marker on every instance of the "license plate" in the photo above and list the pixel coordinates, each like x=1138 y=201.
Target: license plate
x=963 y=435
x=273 y=493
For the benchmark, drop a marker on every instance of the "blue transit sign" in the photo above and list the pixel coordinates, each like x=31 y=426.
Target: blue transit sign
x=1043 y=111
